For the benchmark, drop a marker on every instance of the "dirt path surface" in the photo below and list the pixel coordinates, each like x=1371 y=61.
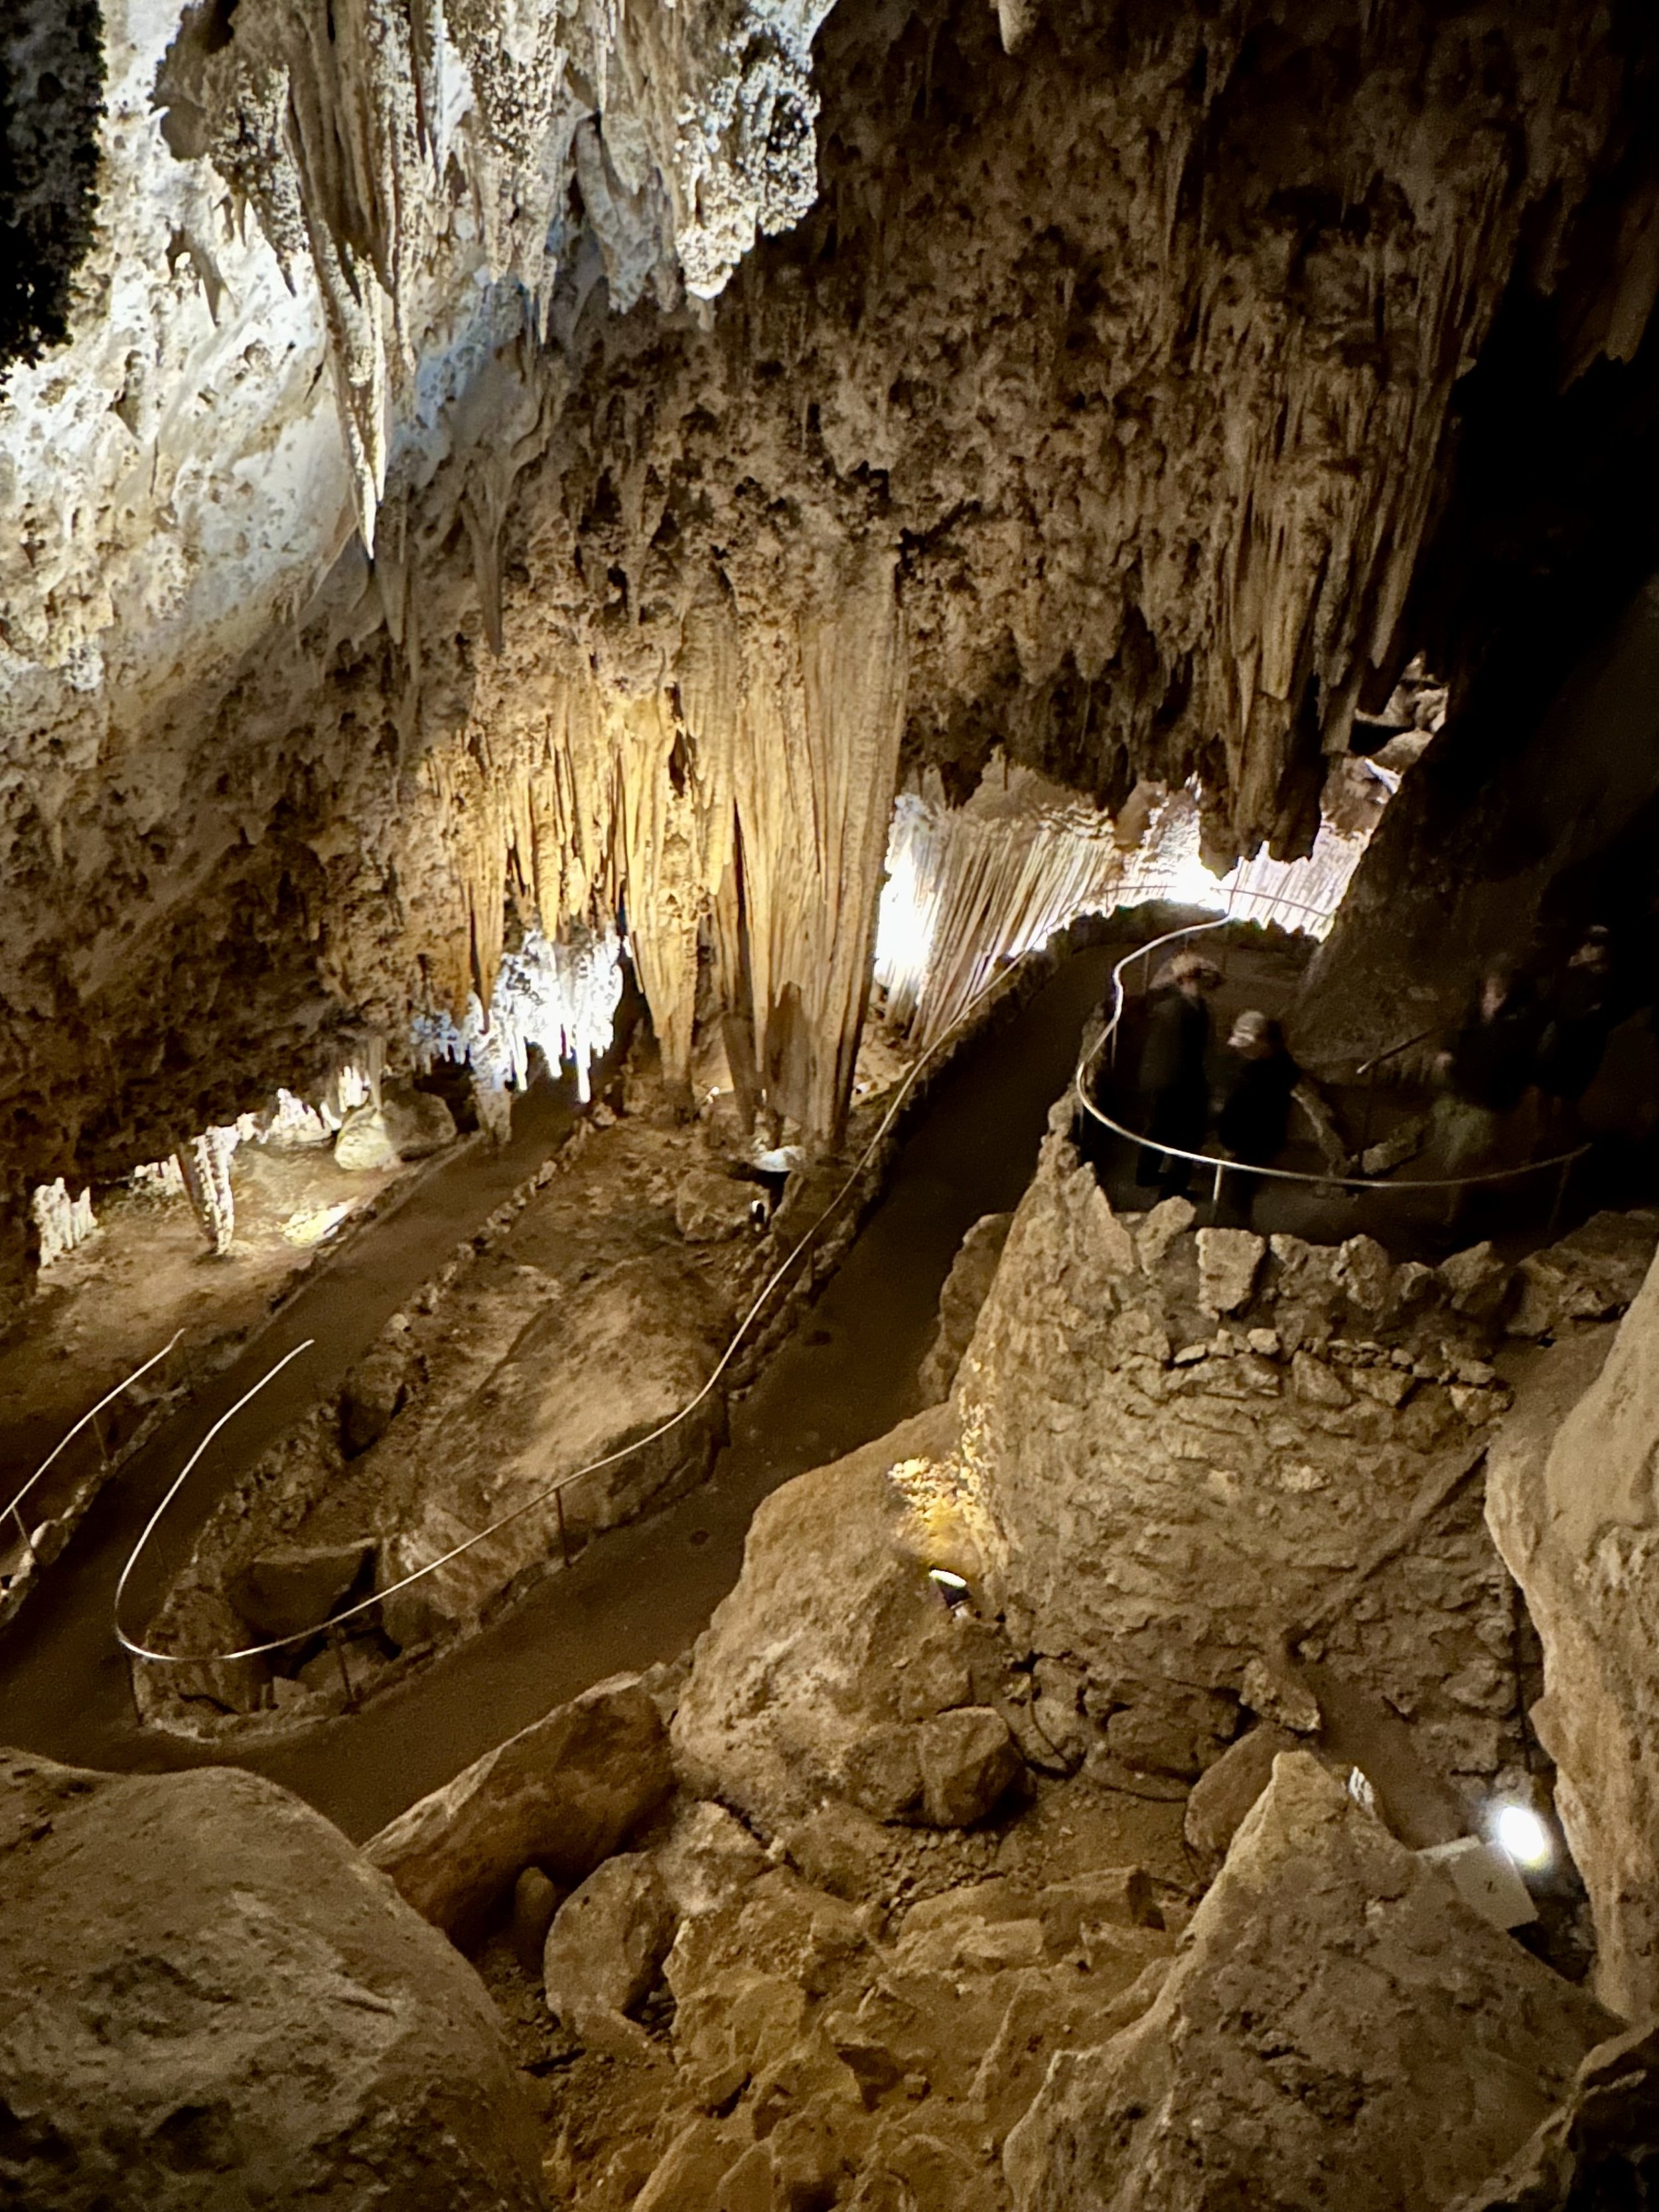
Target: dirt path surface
x=641 y=1593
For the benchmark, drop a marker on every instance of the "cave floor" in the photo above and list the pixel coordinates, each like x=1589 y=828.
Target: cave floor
x=642 y=1592
x=103 y=1309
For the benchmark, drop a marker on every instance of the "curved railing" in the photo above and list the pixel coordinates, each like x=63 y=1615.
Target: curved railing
x=16 y=1507
x=555 y=1490
x=1088 y=1059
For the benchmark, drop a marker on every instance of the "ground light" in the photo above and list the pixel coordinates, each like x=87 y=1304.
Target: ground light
x=952 y=1588
x=1523 y=1835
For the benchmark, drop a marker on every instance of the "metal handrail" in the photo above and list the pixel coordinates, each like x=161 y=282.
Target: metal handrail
x=1089 y=1059
x=335 y=1621
x=16 y=1507
x=1393 y=1052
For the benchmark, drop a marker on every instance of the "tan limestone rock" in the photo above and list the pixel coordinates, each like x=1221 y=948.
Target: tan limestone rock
x=562 y=1793
x=1337 y=2026
x=1570 y=1502
x=207 y=1998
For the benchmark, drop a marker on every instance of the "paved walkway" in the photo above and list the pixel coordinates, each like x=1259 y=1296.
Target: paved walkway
x=635 y=1596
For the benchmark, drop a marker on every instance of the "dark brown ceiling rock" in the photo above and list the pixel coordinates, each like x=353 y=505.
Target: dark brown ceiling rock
x=1128 y=359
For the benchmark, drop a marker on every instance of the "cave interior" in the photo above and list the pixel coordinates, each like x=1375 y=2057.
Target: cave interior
x=830 y=1105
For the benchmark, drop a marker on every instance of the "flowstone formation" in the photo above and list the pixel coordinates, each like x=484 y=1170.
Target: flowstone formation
x=660 y=600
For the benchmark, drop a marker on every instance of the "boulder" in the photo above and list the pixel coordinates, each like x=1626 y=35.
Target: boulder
x=964 y=1293
x=1476 y=1280
x=1570 y=1502
x=835 y=1630
x=607 y=1943
x=709 y=1206
x=418 y=1122
x=365 y=1143
x=1590 y=1276
x=206 y=1998
x=1596 y=2151
x=1228 y=1261
x=1225 y=1793
x=289 y=1591
x=969 y=1762
x=564 y=1793
x=707 y=1858
x=535 y=1900
x=1337 y=2028
x=372 y=1394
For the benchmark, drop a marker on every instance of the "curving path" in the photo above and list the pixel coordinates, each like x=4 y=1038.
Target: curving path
x=641 y=1593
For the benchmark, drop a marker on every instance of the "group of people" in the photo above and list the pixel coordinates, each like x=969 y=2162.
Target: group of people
x=1538 y=1037
x=1545 y=1032
x=1179 y=1098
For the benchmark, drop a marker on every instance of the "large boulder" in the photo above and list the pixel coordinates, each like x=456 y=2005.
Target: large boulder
x=835 y=1640
x=710 y=1207
x=606 y=1945
x=418 y=1123
x=1338 y=2027
x=563 y=1794
x=291 y=1589
x=207 y=1999
x=1571 y=1503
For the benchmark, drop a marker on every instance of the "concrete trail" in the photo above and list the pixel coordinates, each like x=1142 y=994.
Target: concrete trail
x=638 y=1594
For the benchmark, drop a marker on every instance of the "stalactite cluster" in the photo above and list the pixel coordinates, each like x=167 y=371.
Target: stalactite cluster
x=1098 y=407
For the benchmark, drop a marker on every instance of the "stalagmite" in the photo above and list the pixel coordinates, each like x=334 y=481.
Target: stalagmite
x=62 y=1221
x=204 y=1164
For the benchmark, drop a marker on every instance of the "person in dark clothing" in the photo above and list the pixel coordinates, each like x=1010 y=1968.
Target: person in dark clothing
x=1173 y=1078
x=1255 y=1120
x=1490 y=1063
x=1579 y=1013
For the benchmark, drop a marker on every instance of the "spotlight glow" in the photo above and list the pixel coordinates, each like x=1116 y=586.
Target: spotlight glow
x=953 y=1587
x=1523 y=1835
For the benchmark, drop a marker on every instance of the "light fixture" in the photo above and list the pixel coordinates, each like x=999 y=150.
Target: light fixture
x=1522 y=1835
x=952 y=1588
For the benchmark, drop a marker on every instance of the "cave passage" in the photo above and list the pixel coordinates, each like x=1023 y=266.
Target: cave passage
x=641 y=1592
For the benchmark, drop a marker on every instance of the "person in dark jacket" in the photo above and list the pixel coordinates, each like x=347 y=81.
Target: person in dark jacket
x=1579 y=1011
x=1490 y=1065
x=1255 y=1120
x=1173 y=1078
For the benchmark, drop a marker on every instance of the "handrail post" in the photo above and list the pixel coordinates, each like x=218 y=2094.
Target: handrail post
x=1561 y=1183
x=337 y=1643
x=1215 y=1194
x=564 y=1540
x=22 y=1525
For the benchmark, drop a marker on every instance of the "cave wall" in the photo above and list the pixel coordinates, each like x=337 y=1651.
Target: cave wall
x=1098 y=406
x=1489 y=851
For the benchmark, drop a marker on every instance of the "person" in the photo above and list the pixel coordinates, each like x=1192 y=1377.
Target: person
x=1254 y=1117
x=1487 y=1071
x=1578 y=1018
x=1173 y=1079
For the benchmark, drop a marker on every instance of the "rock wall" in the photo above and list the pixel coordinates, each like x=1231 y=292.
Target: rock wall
x=1193 y=1449
x=1572 y=1503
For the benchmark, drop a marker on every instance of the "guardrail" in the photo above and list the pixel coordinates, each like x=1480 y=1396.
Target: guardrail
x=1088 y=1059
x=332 y=1625
x=87 y=1419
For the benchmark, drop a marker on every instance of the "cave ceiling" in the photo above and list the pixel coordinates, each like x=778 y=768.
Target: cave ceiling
x=514 y=461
